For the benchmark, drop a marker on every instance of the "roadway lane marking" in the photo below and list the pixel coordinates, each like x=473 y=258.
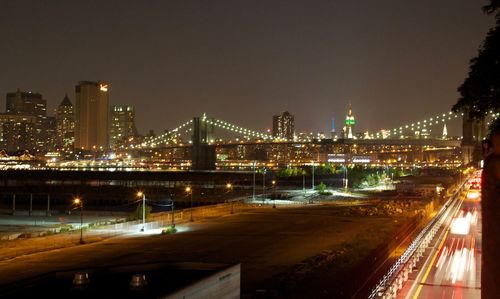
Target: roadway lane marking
x=430 y=266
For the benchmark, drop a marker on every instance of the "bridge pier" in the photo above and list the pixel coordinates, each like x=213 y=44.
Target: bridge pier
x=203 y=155
x=473 y=132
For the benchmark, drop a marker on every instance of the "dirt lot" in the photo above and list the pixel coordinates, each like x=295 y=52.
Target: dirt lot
x=279 y=249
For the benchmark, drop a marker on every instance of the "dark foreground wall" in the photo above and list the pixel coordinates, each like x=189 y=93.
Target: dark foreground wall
x=118 y=189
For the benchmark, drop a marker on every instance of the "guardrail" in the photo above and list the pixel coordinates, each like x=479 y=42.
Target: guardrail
x=393 y=280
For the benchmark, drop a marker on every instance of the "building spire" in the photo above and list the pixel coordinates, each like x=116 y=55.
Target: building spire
x=349 y=123
x=66 y=102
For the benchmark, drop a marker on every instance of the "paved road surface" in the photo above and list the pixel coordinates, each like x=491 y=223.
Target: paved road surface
x=454 y=269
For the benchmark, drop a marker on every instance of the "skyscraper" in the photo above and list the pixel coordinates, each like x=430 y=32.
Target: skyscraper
x=332 y=130
x=349 y=124
x=38 y=133
x=65 y=122
x=26 y=103
x=92 y=115
x=122 y=125
x=283 y=126
x=17 y=132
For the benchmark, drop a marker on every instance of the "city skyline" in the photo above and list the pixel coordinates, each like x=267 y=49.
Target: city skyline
x=274 y=57
x=249 y=149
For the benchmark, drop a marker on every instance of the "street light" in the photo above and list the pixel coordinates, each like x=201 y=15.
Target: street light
x=139 y=194
x=346 y=180
x=312 y=163
x=190 y=191
x=304 y=181
x=79 y=202
x=173 y=215
x=229 y=187
x=253 y=194
x=274 y=193
x=263 y=185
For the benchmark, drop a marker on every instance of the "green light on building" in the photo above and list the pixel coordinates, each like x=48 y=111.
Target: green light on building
x=350 y=121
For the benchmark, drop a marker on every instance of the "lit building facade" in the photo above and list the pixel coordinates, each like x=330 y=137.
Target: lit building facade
x=17 y=132
x=284 y=126
x=349 y=124
x=92 y=115
x=25 y=103
x=65 y=123
x=47 y=138
x=39 y=135
x=122 y=126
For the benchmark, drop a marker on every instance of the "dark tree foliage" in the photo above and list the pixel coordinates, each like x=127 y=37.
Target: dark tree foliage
x=480 y=92
x=493 y=7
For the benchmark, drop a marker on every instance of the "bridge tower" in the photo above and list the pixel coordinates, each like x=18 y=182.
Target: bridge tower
x=473 y=133
x=203 y=155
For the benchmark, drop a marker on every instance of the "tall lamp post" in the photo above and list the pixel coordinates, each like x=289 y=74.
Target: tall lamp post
x=253 y=193
x=263 y=184
x=274 y=195
x=79 y=202
x=229 y=188
x=304 y=181
x=173 y=215
x=346 y=180
x=190 y=191
x=141 y=194
x=312 y=175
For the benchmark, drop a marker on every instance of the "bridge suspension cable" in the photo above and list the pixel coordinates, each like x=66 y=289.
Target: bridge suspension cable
x=234 y=128
x=425 y=123
x=186 y=127
x=419 y=125
x=169 y=135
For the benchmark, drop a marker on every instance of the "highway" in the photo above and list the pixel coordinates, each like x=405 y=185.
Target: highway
x=452 y=267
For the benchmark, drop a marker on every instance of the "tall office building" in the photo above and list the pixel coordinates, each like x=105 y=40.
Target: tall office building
x=48 y=135
x=17 y=132
x=65 y=123
x=349 y=124
x=332 y=130
x=283 y=126
x=26 y=103
x=122 y=125
x=38 y=133
x=92 y=115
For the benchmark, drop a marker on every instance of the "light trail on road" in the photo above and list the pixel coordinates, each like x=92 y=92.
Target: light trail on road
x=454 y=271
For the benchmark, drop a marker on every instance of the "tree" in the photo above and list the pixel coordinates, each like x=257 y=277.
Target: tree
x=321 y=188
x=493 y=7
x=356 y=175
x=480 y=91
x=328 y=169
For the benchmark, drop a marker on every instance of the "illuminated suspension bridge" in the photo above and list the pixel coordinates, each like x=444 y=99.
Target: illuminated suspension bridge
x=170 y=137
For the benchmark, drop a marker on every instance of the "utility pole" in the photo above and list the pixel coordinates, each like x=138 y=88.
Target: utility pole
x=312 y=175
x=304 y=182
x=263 y=184
x=139 y=194
x=253 y=194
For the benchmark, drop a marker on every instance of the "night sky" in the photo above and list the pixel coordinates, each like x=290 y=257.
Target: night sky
x=243 y=61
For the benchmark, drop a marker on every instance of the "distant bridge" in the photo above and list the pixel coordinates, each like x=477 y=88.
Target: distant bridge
x=170 y=137
x=203 y=142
